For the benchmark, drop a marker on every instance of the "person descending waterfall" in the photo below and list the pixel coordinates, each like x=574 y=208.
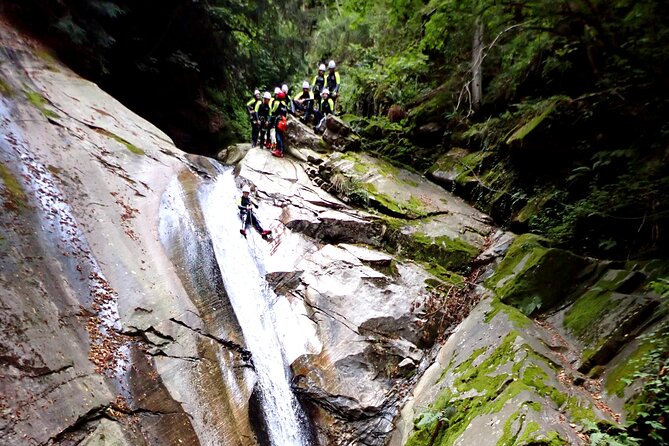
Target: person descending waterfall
x=251 y=107
x=248 y=216
x=263 y=111
x=279 y=112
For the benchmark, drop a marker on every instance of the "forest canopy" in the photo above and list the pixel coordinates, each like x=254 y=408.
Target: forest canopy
x=562 y=104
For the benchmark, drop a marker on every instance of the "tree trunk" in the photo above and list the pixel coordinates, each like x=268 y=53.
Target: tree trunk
x=477 y=59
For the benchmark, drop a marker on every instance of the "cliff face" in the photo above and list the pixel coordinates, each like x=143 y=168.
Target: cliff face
x=121 y=324
x=106 y=333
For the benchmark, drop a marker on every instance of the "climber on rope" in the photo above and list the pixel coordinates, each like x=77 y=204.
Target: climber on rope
x=251 y=107
x=325 y=108
x=279 y=113
x=263 y=112
x=319 y=82
x=304 y=102
x=248 y=216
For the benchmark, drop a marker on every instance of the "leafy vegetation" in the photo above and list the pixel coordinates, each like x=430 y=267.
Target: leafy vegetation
x=571 y=102
x=186 y=66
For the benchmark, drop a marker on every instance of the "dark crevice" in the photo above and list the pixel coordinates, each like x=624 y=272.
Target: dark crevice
x=141 y=334
x=30 y=370
x=183 y=358
x=94 y=414
x=230 y=345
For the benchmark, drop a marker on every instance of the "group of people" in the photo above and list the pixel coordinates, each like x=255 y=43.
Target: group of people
x=268 y=114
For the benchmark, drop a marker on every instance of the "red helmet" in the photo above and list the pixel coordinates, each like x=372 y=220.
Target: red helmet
x=281 y=95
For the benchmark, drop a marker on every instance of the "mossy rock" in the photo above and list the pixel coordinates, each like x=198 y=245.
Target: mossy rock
x=439 y=252
x=498 y=388
x=533 y=276
x=386 y=188
x=448 y=167
x=542 y=112
x=532 y=207
x=624 y=380
x=11 y=191
x=608 y=315
x=5 y=89
x=433 y=107
x=40 y=102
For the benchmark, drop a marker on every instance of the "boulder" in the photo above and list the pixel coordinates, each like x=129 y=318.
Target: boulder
x=339 y=135
x=535 y=277
x=300 y=136
x=234 y=153
x=494 y=382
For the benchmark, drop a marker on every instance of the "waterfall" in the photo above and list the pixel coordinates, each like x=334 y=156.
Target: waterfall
x=250 y=296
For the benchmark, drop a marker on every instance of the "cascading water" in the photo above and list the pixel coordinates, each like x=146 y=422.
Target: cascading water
x=250 y=297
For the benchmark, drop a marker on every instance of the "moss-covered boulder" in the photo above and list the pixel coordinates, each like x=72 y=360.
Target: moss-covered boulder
x=495 y=382
x=626 y=374
x=444 y=242
x=392 y=191
x=521 y=133
x=609 y=314
x=448 y=167
x=533 y=276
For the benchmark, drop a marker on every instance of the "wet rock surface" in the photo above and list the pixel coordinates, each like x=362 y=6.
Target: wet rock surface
x=118 y=328
x=104 y=340
x=364 y=309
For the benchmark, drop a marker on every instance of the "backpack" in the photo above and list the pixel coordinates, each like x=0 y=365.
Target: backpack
x=282 y=124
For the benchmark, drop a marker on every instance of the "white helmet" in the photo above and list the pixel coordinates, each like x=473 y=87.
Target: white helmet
x=305 y=84
x=246 y=189
x=277 y=90
x=284 y=88
x=325 y=91
x=331 y=64
x=256 y=93
x=321 y=67
x=267 y=95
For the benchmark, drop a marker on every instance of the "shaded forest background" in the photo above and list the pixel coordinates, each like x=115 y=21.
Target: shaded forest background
x=420 y=77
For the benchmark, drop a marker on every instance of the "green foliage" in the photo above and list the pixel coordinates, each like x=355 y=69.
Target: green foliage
x=168 y=61
x=661 y=286
x=427 y=418
x=652 y=407
x=610 y=436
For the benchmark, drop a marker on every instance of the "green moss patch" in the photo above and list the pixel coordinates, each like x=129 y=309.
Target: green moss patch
x=433 y=107
x=534 y=277
x=525 y=130
x=442 y=255
x=15 y=197
x=588 y=309
x=131 y=147
x=519 y=319
x=502 y=374
x=40 y=102
x=366 y=175
x=5 y=89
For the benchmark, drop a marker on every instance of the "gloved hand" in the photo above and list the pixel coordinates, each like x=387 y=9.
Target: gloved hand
x=256 y=206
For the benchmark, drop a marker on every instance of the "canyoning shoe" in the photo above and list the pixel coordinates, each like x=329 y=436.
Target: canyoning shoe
x=265 y=232
x=243 y=232
x=277 y=153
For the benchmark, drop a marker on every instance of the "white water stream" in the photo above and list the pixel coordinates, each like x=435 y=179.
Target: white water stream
x=251 y=297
